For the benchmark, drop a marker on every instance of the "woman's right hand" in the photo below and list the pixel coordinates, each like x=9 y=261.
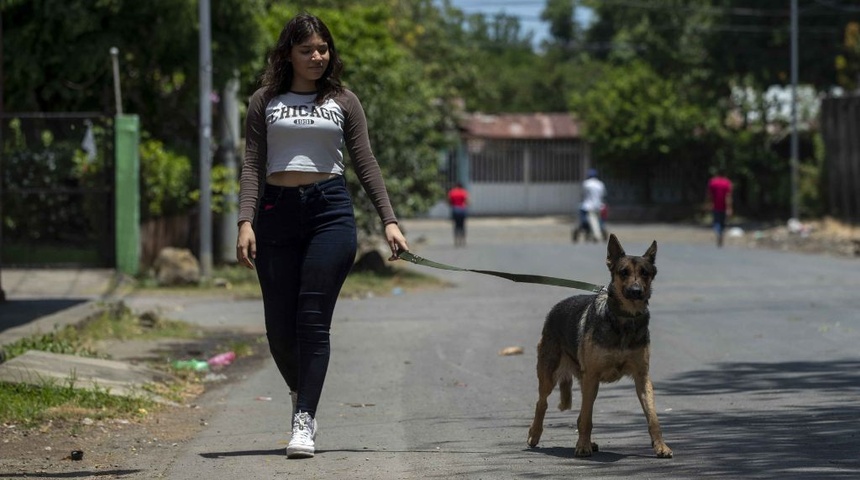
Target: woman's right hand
x=246 y=245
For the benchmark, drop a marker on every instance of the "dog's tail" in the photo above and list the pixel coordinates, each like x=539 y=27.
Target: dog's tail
x=565 y=389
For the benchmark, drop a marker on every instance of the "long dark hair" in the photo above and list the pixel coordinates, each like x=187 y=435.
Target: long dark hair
x=278 y=76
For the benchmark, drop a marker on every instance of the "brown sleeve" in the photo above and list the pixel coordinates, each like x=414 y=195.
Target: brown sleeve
x=360 y=154
x=254 y=163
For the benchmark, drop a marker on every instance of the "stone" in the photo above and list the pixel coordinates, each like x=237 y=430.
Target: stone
x=176 y=266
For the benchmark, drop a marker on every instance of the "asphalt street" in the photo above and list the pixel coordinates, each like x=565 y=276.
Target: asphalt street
x=755 y=366
x=754 y=361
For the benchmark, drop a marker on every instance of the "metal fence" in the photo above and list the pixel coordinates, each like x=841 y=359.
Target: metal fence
x=56 y=189
x=518 y=177
x=840 y=128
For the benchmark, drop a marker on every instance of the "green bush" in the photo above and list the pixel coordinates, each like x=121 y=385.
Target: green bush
x=165 y=180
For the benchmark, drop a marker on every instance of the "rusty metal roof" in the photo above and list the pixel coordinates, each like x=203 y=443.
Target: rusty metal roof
x=555 y=126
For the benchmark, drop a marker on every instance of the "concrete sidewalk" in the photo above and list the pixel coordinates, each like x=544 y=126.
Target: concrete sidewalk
x=40 y=300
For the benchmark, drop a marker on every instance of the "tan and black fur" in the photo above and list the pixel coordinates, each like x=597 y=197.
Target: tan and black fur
x=598 y=339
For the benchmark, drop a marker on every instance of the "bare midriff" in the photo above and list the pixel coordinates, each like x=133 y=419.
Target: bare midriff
x=296 y=179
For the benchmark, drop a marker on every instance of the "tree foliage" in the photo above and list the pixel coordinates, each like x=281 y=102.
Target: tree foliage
x=635 y=119
x=56 y=57
x=653 y=80
x=848 y=61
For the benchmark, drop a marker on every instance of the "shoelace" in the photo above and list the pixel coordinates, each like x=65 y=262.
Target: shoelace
x=302 y=423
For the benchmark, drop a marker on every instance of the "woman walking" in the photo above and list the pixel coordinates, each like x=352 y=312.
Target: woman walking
x=296 y=220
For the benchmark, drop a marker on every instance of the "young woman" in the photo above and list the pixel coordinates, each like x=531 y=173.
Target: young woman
x=296 y=222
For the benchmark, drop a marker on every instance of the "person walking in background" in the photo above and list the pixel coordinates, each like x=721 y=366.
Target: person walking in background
x=458 y=199
x=296 y=218
x=720 y=194
x=591 y=208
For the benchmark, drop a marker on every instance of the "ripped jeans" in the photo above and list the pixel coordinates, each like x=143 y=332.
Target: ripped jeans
x=306 y=246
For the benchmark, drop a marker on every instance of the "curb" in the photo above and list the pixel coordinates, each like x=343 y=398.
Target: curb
x=75 y=315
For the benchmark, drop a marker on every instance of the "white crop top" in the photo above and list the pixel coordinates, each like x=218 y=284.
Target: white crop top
x=290 y=133
x=303 y=136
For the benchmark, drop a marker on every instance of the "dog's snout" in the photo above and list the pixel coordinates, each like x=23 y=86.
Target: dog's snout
x=634 y=291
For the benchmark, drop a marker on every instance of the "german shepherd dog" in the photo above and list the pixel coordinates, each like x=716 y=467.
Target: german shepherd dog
x=600 y=338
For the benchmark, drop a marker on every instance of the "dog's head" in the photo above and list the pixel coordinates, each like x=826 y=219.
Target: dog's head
x=631 y=276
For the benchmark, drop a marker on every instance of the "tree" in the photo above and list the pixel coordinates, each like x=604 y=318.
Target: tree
x=564 y=31
x=635 y=119
x=57 y=57
x=712 y=49
x=717 y=42
x=848 y=61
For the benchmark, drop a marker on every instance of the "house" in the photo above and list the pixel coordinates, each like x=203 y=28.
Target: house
x=518 y=164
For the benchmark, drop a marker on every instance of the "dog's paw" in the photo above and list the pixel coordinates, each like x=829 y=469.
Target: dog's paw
x=585 y=450
x=662 y=450
x=534 y=438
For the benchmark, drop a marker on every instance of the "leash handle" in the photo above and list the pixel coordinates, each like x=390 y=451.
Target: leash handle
x=515 y=277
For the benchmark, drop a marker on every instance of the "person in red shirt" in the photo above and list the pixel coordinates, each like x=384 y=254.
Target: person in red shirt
x=720 y=193
x=458 y=199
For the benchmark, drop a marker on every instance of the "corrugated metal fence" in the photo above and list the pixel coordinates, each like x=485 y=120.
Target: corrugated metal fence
x=519 y=177
x=840 y=127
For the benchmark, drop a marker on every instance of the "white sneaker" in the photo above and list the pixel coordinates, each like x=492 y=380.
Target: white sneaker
x=304 y=431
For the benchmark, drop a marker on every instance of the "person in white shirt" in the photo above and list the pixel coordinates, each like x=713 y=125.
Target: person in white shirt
x=593 y=193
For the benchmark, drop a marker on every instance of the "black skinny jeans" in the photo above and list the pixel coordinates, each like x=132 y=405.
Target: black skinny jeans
x=306 y=245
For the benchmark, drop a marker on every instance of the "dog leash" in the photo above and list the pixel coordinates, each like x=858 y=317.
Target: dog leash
x=516 y=277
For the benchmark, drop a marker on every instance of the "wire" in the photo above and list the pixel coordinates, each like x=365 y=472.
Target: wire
x=739 y=11
x=840 y=7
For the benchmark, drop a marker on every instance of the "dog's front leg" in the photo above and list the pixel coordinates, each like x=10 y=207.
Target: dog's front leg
x=645 y=392
x=589 y=384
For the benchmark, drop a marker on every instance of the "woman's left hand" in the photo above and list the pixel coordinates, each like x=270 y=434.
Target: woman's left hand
x=396 y=241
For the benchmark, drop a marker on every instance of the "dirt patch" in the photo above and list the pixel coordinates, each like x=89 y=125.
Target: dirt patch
x=826 y=236
x=125 y=447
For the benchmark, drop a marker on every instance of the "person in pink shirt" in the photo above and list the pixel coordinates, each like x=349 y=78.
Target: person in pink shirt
x=720 y=194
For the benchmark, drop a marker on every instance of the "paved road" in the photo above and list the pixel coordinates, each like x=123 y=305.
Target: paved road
x=755 y=365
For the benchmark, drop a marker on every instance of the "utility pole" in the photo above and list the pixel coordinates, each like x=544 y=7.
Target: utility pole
x=228 y=139
x=794 y=142
x=2 y=82
x=114 y=55
x=205 y=205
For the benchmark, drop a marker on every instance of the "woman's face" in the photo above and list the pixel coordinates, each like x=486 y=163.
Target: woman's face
x=310 y=59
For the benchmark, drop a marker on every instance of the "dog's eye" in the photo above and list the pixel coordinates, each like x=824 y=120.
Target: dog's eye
x=624 y=272
x=644 y=274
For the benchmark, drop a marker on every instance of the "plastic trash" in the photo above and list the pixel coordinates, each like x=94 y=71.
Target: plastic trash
x=214 y=377
x=194 y=364
x=794 y=225
x=222 y=360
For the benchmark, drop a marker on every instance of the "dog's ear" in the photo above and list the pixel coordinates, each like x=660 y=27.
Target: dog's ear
x=614 y=251
x=651 y=253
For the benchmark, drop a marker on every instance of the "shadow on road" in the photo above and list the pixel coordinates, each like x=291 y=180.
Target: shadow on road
x=15 y=313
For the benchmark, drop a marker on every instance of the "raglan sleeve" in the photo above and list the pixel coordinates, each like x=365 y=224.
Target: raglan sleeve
x=254 y=161
x=366 y=167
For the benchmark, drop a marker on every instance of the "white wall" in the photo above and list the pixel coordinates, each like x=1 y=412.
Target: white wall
x=487 y=199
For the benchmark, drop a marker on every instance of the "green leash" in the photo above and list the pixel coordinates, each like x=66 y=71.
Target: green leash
x=538 y=279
